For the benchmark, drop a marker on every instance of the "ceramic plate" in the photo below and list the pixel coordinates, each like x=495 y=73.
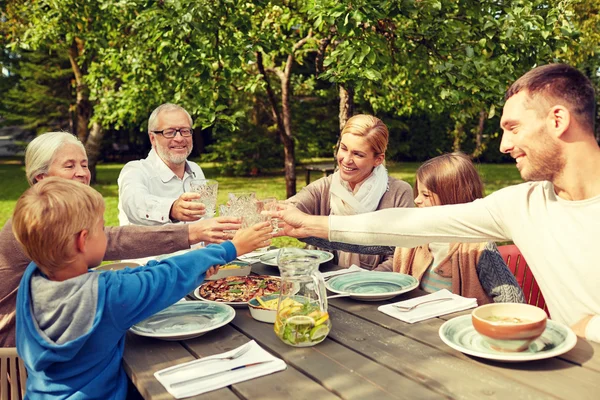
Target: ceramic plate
x=271 y=258
x=256 y=288
x=185 y=320
x=460 y=334
x=372 y=285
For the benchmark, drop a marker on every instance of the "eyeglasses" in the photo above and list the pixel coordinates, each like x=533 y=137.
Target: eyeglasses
x=171 y=133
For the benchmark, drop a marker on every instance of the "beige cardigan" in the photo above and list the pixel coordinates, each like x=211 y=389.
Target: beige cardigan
x=460 y=264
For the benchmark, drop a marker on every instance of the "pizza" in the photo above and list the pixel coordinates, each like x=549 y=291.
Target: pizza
x=239 y=288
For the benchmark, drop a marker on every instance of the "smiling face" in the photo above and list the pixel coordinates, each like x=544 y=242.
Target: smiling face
x=425 y=197
x=173 y=151
x=527 y=139
x=356 y=159
x=69 y=162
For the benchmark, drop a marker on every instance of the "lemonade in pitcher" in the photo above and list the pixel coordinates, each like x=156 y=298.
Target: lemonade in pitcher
x=302 y=318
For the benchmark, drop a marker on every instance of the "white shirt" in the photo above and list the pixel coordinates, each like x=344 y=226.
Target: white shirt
x=558 y=238
x=148 y=188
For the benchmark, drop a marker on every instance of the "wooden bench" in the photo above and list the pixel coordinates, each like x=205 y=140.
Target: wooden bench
x=326 y=169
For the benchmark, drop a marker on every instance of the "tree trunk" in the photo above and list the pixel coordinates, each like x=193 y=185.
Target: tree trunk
x=346 y=110
x=479 y=146
x=92 y=147
x=83 y=110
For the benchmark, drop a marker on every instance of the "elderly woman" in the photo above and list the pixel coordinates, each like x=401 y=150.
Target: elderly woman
x=62 y=154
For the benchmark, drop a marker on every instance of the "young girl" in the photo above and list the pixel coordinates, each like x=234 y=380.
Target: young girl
x=468 y=269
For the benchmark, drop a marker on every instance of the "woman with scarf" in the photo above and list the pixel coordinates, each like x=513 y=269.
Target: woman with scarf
x=360 y=184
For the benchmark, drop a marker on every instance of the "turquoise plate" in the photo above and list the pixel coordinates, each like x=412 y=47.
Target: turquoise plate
x=271 y=257
x=372 y=286
x=460 y=334
x=185 y=320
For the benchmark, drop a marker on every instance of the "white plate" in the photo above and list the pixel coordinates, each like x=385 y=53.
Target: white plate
x=460 y=334
x=236 y=304
x=185 y=320
x=271 y=257
x=372 y=285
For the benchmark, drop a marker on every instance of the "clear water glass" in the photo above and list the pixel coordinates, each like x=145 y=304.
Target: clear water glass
x=208 y=190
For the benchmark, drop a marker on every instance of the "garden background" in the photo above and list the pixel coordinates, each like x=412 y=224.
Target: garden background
x=270 y=83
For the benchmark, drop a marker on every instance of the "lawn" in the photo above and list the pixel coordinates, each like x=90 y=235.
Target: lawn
x=12 y=176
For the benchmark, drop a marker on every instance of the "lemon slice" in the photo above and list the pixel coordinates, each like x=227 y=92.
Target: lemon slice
x=261 y=302
x=318 y=332
x=300 y=320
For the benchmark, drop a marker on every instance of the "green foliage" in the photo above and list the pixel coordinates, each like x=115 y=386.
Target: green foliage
x=40 y=98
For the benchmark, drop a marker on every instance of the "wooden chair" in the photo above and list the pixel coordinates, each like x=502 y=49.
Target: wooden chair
x=518 y=266
x=13 y=375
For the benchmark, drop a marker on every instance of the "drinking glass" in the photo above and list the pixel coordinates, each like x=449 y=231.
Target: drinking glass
x=270 y=204
x=207 y=188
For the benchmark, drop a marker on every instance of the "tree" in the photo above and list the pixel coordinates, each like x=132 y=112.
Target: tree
x=455 y=58
x=70 y=29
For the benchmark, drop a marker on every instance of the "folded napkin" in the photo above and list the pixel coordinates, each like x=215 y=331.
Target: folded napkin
x=255 y=256
x=352 y=268
x=208 y=373
x=429 y=310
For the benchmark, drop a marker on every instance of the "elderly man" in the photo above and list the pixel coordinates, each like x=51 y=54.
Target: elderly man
x=548 y=128
x=153 y=191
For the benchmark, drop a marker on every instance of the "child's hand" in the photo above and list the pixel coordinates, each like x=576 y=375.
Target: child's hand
x=249 y=239
x=211 y=271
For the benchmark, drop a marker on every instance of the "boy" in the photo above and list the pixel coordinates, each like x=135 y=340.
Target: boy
x=71 y=322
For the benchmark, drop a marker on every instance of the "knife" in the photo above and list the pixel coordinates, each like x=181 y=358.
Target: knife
x=199 y=378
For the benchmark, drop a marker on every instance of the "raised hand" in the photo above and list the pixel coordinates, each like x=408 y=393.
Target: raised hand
x=295 y=223
x=214 y=230
x=250 y=239
x=186 y=209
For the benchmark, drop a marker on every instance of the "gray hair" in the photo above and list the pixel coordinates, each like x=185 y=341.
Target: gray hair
x=152 y=124
x=41 y=150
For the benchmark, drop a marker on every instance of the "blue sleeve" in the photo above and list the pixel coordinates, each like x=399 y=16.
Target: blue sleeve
x=496 y=279
x=133 y=295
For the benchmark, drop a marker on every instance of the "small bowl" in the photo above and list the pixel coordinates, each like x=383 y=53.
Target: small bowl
x=234 y=268
x=509 y=327
x=261 y=313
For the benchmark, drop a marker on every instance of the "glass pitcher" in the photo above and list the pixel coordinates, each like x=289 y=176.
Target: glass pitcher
x=302 y=318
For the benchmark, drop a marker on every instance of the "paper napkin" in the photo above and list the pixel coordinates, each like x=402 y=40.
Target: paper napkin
x=353 y=268
x=214 y=374
x=429 y=310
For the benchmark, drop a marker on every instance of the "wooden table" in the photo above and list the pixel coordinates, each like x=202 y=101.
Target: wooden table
x=369 y=355
x=326 y=169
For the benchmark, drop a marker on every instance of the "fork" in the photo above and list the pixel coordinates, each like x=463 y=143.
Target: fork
x=235 y=355
x=409 y=308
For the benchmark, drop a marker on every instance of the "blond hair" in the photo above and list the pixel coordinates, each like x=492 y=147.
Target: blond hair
x=451 y=176
x=49 y=215
x=40 y=152
x=371 y=128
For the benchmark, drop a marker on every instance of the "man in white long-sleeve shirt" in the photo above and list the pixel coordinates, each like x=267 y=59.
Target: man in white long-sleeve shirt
x=548 y=128
x=153 y=191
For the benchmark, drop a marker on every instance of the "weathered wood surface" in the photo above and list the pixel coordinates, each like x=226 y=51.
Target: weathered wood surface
x=369 y=355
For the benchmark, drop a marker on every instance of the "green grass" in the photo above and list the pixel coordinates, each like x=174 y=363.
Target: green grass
x=13 y=183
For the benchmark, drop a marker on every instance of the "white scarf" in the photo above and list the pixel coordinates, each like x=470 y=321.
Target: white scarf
x=366 y=199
